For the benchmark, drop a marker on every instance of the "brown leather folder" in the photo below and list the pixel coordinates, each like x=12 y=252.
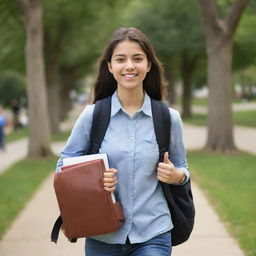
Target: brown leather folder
x=86 y=208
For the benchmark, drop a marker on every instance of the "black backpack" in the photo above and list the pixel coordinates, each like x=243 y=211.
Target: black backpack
x=179 y=197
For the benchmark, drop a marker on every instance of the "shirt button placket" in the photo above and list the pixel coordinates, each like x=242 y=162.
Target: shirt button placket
x=132 y=148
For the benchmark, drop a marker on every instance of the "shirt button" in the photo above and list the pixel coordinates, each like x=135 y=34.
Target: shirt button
x=131 y=154
x=132 y=138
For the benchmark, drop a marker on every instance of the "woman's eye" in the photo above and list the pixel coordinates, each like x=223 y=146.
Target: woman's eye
x=138 y=59
x=120 y=60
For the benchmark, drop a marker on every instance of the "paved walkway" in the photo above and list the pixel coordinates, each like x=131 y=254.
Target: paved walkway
x=30 y=233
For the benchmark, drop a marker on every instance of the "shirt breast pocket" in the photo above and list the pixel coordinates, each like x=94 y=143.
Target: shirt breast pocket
x=150 y=144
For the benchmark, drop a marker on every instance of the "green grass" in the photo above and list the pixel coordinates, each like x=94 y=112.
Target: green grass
x=229 y=182
x=18 y=184
x=16 y=135
x=200 y=101
x=244 y=118
x=62 y=136
x=204 y=101
x=23 y=133
x=197 y=119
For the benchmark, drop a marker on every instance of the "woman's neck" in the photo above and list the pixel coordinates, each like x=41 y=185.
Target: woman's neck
x=131 y=100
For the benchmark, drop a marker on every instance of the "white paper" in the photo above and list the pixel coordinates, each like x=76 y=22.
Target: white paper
x=86 y=158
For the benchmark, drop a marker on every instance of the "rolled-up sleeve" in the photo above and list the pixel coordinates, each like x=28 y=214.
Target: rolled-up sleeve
x=79 y=140
x=177 y=152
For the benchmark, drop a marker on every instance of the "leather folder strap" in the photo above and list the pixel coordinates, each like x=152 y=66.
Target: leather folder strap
x=56 y=231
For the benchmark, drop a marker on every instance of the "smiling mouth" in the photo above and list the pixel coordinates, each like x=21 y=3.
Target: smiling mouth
x=130 y=75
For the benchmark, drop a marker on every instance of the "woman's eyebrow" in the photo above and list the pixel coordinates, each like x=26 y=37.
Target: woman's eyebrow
x=119 y=54
x=139 y=54
x=123 y=55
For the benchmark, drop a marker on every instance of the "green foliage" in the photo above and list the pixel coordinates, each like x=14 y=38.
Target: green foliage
x=245 y=77
x=12 y=86
x=75 y=33
x=175 y=30
x=17 y=186
x=172 y=26
x=245 y=41
x=79 y=25
x=229 y=181
x=12 y=39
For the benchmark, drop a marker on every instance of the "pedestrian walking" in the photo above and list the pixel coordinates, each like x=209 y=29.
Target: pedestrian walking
x=132 y=75
x=15 y=106
x=3 y=124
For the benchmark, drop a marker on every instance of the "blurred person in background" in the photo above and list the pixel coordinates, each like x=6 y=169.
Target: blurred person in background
x=3 y=125
x=15 y=106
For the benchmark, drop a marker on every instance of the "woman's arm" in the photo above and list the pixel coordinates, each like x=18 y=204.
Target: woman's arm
x=79 y=140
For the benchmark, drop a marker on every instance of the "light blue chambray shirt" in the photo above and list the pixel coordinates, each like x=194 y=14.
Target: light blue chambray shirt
x=131 y=146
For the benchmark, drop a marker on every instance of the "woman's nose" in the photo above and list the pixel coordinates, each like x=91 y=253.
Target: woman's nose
x=129 y=65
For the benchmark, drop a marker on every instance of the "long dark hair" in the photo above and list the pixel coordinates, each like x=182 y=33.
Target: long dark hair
x=105 y=84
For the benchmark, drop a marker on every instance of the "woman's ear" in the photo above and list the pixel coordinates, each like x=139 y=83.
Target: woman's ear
x=110 y=67
x=149 y=66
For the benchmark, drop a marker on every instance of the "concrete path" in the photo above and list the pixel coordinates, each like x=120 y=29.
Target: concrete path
x=14 y=152
x=30 y=233
x=18 y=149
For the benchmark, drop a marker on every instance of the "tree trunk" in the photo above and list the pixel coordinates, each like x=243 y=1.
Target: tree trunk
x=219 y=34
x=39 y=128
x=53 y=86
x=220 y=120
x=187 y=71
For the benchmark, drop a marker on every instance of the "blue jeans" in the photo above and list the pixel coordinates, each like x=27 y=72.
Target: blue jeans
x=157 y=246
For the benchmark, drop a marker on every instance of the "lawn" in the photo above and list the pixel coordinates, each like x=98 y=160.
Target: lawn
x=229 y=182
x=18 y=184
x=204 y=101
x=61 y=136
x=23 y=133
x=16 y=135
x=244 y=118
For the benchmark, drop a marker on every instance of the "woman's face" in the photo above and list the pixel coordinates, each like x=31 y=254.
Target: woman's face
x=129 y=65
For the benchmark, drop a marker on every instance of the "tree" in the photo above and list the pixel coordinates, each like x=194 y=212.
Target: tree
x=39 y=126
x=219 y=33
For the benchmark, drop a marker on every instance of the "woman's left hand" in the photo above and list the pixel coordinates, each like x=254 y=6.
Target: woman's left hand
x=167 y=173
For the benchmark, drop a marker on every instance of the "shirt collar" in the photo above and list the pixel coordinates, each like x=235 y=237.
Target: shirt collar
x=116 y=105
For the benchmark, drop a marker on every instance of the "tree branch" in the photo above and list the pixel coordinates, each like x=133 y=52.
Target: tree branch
x=210 y=15
x=234 y=16
x=21 y=5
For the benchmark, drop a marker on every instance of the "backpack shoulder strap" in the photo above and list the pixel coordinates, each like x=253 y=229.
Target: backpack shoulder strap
x=162 y=125
x=100 y=122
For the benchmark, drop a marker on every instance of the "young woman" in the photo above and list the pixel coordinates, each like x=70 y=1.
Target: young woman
x=130 y=71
